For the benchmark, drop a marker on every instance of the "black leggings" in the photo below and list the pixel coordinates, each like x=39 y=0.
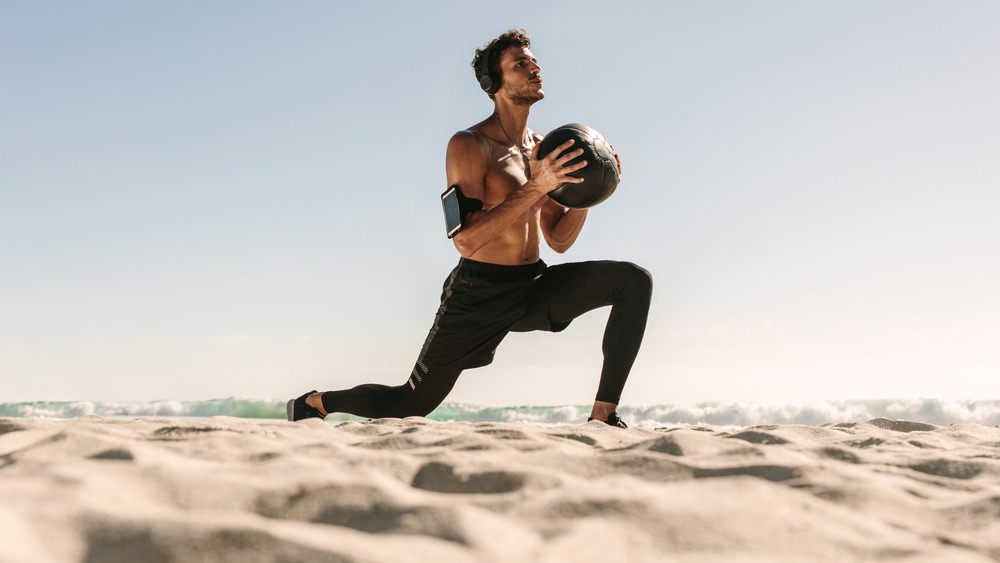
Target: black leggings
x=481 y=303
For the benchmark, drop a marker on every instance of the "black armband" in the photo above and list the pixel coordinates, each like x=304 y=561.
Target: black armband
x=456 y=208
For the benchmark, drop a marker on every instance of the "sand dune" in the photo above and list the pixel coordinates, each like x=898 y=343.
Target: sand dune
x=226 y=489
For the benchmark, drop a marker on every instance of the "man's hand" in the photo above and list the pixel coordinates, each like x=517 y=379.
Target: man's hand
x=618 y=160
x=548 y=173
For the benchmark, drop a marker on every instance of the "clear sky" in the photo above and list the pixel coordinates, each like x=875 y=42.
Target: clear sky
x=207 y=199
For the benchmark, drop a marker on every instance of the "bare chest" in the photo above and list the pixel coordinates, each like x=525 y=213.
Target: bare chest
x=508 y=171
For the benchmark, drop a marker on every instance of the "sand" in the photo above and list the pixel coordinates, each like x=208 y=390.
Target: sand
x=225 y=489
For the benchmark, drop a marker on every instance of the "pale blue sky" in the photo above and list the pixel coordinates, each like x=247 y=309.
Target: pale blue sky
x=205 y=199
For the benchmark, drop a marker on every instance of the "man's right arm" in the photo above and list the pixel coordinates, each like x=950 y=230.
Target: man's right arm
x=467 y=164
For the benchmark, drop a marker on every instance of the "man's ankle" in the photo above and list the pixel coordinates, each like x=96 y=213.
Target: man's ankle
x=602 y=410
x=316 y=401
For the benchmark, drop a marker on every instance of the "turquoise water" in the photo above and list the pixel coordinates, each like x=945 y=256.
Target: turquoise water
x=934 y=411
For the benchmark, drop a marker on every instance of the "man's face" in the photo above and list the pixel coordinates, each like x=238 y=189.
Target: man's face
x=520 y=78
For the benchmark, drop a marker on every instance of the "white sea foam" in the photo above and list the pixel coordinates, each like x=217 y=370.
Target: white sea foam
x=730 y=414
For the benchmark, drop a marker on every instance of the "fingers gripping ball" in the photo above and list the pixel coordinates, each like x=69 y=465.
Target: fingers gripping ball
x=600 y=175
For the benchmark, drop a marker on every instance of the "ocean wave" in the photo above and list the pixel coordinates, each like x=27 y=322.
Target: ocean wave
x=730 y=414
x=233 y=406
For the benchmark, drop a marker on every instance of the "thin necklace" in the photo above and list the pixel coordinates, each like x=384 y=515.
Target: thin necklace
x=519 y=148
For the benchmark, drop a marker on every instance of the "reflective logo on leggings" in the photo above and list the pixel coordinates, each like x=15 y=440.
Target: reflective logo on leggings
x=416 y=374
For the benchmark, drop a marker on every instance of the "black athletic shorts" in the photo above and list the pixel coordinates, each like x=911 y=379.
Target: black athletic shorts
x=480 y=304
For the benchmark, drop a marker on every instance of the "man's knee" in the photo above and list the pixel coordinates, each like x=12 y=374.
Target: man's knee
x=421 y=406
x=635 y=279
x=405 y=402
x=420 y=396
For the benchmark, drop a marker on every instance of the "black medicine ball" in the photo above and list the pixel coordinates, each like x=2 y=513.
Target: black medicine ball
x=600 y=175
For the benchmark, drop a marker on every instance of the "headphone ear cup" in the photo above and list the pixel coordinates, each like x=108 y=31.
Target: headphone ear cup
x=486 y=83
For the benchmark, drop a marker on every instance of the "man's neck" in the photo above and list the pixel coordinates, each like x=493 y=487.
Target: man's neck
x=513 y=120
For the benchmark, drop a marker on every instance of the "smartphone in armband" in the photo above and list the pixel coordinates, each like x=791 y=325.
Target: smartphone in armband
x=452 y=211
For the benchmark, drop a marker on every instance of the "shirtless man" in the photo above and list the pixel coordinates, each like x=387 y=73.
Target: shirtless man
x=500 y=284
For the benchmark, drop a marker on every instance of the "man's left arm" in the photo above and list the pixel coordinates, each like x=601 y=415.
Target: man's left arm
x=560 y=225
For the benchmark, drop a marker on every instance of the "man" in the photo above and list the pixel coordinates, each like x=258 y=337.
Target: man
x=500 y=284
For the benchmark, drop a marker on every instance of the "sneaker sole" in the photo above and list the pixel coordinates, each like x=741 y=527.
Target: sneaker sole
x=290 y=410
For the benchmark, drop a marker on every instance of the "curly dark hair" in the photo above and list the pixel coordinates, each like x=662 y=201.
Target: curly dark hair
x=513 y=38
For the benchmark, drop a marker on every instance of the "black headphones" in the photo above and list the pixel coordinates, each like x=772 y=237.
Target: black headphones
x=489 y=83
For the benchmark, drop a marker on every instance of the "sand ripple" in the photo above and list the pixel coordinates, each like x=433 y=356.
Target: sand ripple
x=226 y=489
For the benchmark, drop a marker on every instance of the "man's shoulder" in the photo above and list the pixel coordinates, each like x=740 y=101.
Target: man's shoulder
x=466 y=135
x=468 y=150
x=484 y=133
x=477 y=132
x=469 y=140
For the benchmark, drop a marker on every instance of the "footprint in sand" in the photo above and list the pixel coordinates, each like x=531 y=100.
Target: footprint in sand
x=441 y=477
x=952 y=468
x=118 y=454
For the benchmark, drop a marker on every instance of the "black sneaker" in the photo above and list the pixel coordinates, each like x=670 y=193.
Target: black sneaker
x=297 y=409
x=613 y=420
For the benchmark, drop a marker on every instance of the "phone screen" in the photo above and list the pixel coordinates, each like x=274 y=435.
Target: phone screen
x=452 y=213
